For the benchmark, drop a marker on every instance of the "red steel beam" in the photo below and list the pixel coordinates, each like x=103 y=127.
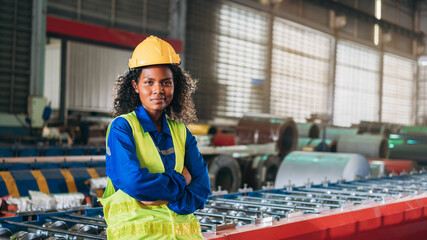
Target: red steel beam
x=80 y=30
x=397 y=219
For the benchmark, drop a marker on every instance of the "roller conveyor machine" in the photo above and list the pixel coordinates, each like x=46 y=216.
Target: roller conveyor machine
x=376 y=208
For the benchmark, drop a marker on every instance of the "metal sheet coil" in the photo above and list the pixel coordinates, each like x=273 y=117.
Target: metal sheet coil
x=224 y=171
x=259 y=129
x=259 y=170
x=370 y=146
x=310 y=130
x=334 y=133
x=414 y=152
x=300 y=167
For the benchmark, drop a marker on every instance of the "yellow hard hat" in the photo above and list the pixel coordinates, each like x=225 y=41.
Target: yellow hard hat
x=153 y=51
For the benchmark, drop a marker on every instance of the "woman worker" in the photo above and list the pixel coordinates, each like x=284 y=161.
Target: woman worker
x=156 y=175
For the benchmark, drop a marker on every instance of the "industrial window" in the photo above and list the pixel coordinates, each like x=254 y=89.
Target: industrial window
x=356 y=84
x=241 y=61
x=91 y=73
x=52 y=73
x=398 y=87
x=422 y=92
x=300 y=71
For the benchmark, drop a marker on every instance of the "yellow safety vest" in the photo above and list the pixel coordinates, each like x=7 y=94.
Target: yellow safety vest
x=126 y=217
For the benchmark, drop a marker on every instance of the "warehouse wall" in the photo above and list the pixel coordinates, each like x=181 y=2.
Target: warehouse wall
x=243 y=51
x=423 y=20
x=292 y=51
x=91 y=73
x=15 y=58
x=422 y=72
x=306 y=65
x=131 y=15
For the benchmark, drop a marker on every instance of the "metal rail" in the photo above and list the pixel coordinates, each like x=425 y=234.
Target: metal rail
x=237 y=209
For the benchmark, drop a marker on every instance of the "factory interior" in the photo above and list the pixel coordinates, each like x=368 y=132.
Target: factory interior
x=312 y=114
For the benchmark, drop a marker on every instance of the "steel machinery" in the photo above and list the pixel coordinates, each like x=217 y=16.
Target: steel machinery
x=377 y=208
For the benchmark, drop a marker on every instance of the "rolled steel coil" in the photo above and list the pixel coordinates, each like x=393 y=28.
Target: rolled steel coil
x=5 y=233
x=408 y=138
x=223 y=139
x=310 y=130
x=265 y=129
x=288 y=137
x=334 y=133
x=416 y=152
x=397 y=166
x=370 y=127
x=298 y=168
x=370 y=146
x=414 y=129
x=22 y=235
x=378 y=128
x=224 y=171
x=260 y=170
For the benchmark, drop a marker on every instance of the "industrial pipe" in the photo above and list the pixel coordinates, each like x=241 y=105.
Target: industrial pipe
x=299 y=168
x=370 y=146
x=224 y=171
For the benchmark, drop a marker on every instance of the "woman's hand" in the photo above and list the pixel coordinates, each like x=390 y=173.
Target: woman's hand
x=187 y=175
x=157 y=202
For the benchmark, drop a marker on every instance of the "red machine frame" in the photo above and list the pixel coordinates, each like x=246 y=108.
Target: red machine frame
x=404 y=218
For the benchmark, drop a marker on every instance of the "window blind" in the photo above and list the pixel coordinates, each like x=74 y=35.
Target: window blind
x=300 y=71
x=356 y=84
x=241 y=60
x=398 y=90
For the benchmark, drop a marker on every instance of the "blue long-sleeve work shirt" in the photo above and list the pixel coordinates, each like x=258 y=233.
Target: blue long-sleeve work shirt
x=123 y=167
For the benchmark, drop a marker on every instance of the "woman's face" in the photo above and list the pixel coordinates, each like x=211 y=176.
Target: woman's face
x=155 y=88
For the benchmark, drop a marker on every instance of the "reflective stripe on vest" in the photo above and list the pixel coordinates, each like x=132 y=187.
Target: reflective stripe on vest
x=128 y=218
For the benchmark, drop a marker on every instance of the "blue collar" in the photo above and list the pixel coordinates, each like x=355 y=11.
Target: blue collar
x=146 y=122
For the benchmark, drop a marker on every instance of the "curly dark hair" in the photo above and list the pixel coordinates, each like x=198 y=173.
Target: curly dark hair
x=181 y=108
